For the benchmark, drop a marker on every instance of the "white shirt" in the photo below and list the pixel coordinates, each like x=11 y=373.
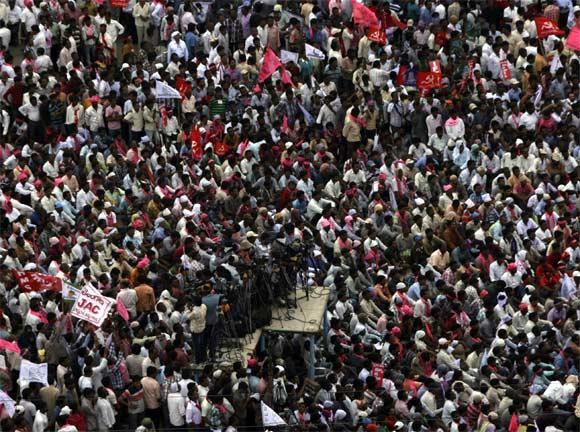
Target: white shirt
x=176 y=408
x=178 y=48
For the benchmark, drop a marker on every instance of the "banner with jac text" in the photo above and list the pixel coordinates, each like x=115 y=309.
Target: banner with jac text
x=91 y=306
x=33 y=281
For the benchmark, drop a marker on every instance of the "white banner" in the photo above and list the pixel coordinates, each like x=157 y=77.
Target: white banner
x=288 y=56
x=164 y=91
x=314 y=53
x=91 y=306
x=33 y=372
x=271 y=417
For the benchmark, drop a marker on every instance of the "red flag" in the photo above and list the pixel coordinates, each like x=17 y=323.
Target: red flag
x=269 y=65
x=182 y=86
x=32 y=281
x=284 y=127
x=504 y=65
x=514 y=423
x=221 y=149
x=435 y=66
x=9 y=346
x=257 y=88
x=286 y=78
x=195 y=137
x=122 y=310
x=390 y=21
x=375 y=34
x=401 y=76
x=547 y=27
x=363 y=16
x=428 y=80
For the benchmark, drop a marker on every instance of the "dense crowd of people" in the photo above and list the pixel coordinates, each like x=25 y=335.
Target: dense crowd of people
x=417 y=158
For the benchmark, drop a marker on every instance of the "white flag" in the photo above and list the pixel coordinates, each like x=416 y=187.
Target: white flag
x=314 y=53
x=8 y=403
x=164 y=91
x=288 y=56
x=271 y=417
x=555 y=64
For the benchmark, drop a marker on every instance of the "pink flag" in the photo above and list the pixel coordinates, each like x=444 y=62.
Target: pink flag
x=122 y=310
x=573 y=41
x=284 y=127
x=286 y=78
x=257 y=88
x=243 y=146
x=269 y=65
x=363 y=16
x=9 y=346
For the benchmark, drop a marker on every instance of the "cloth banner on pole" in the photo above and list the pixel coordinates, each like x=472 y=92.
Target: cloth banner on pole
x=33 y=372
x=164 y=91
x=91 y=306
x=288 y=56
x=33 y=281
x=271 y=417
x=313 y=52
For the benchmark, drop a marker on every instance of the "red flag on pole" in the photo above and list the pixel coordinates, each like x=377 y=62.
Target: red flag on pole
x=285 y=77
x=122 y=310
x=375 y=34
x=390 y=21
x=547 y=27
x=32 y=281
x=284 y=127
x=195 y=137
x=401 y=75
x=428 y=80
x=363 y=16
x=182 y=86
x=269 y=65
x=221 y=149
x=163 y=112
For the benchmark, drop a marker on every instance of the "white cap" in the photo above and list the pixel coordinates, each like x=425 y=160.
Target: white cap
x=442 y=341
x=125 y=66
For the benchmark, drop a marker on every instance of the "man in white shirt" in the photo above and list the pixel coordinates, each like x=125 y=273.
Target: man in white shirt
x=177 y=47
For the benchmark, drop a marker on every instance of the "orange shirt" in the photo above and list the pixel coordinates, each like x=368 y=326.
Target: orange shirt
x=145 y=298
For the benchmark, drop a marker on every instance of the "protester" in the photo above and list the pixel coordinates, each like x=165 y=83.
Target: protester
x=186 y=167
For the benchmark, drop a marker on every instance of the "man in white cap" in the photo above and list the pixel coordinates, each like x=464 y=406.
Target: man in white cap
x=177 y=47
